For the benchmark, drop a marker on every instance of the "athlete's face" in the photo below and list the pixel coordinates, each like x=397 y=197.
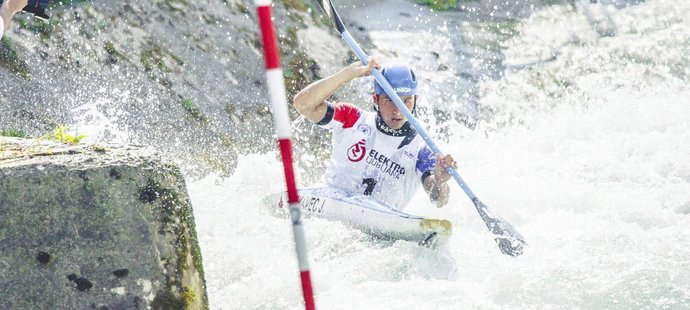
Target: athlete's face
x=391 y=114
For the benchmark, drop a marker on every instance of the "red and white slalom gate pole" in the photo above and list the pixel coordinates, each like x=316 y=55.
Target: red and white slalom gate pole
x=276 y=88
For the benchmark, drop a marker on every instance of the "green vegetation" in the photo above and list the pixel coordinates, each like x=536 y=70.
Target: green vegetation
x=242 y=8
x=193 y=110
x=65 y=3
x=324 y=20
x=180 y=221
x=508 y=27
x=214 y=162
x=301 y=71
x=440 y=5
x=111 y=50
x=188 y=295
x=679 y=69
x=551 y=2
x=254 y=41
x=151 y=57
x=188 y=105
x=60 y=134
x=39 y=26
x=263 y=111
x=99 y=149
x=45 y=28
x=155 y=58
x=295 y=5
x=158 y=61
x=551 y=84
x=12 y=133
x=9 y=58
x=230 y=109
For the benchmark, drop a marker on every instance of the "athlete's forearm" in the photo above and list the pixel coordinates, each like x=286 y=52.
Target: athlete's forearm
x=7 y=10
x=5 y=17
x=310 y=102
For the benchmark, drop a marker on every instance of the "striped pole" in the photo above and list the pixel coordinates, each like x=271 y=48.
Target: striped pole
x=276 y=88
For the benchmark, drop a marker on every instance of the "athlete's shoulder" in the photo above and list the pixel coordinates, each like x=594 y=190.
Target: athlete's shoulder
x=346 y=114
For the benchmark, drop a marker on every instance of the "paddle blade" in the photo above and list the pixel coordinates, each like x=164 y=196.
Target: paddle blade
x=509 y=240
x=326 y=7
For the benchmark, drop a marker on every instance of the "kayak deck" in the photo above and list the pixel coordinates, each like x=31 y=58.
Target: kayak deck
x=364 y=214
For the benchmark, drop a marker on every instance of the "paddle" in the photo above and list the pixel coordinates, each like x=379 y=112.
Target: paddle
x=509 y=241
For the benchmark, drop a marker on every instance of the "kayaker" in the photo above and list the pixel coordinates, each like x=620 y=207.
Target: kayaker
x=377 y=153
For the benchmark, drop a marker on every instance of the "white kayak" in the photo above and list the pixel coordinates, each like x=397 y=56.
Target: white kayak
x=365 y=214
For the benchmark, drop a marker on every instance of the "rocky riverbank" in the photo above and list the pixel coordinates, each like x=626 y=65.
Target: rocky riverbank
x=95 y=226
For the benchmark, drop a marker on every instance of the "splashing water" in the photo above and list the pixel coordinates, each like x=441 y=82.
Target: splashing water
x=100 y=125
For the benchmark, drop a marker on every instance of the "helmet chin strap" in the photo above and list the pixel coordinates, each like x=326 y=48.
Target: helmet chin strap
x=383 y=127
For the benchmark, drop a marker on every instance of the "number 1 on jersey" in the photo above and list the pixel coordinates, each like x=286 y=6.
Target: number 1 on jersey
x=370 y=183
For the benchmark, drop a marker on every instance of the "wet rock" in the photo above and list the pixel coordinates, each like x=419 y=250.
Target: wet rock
x=121 y=273
x=84 y=205
x=83 y=284
x=43 y=257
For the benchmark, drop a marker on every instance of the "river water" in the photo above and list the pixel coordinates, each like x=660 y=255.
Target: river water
x=583 y=144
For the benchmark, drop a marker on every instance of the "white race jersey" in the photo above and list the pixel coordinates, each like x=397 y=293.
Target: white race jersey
x=371 y=159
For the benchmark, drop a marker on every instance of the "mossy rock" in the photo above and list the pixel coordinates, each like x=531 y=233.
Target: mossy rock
x=106 y=226
x=297 y=5
x=10 y=59
x=301 y=71
x=155 y=57
x=440 y=5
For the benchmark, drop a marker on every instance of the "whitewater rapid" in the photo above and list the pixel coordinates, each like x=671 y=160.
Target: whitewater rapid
x=587 y=154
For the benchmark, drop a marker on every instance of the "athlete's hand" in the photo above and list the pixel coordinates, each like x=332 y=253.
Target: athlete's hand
x=360 y=70
x=11 y=7
x=436 y=187
x=441 y=174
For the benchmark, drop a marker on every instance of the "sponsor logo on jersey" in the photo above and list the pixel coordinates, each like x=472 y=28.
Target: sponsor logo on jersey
x=357 y=151
x=385 y=164
x=364 y=128
x=408 y=154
